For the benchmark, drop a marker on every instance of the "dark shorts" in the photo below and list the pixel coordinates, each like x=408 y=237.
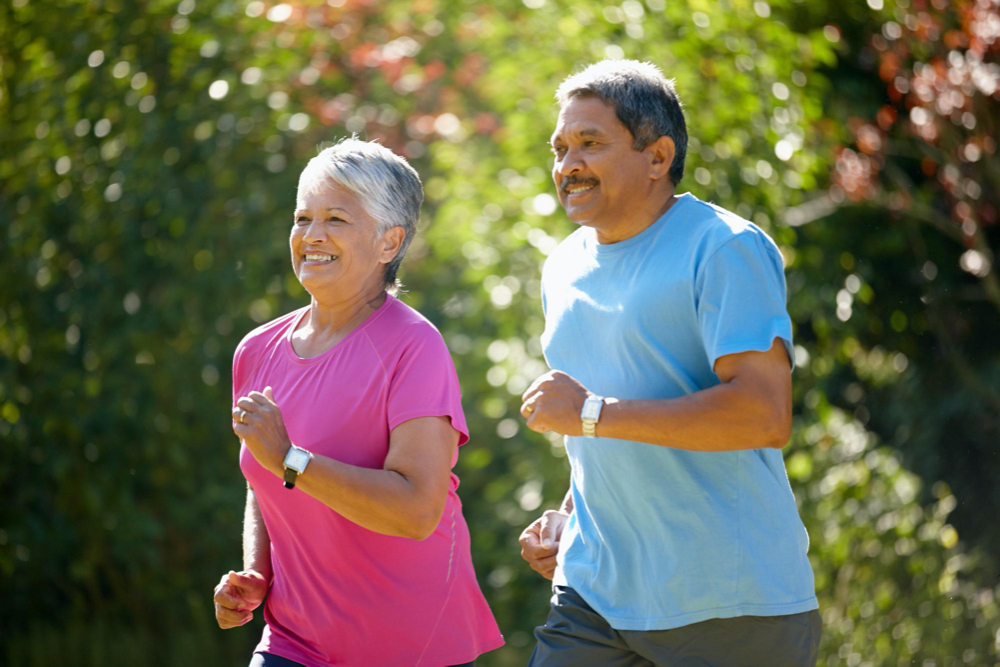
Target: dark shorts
x=574 y=634
x=272 y=660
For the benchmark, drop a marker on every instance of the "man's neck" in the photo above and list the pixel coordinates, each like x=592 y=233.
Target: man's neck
x=638 y=223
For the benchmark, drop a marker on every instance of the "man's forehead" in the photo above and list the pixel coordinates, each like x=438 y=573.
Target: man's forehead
x=586 y=116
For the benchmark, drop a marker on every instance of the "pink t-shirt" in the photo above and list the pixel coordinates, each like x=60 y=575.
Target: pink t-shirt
x=342 y=594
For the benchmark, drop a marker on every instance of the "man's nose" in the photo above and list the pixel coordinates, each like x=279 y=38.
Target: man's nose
x=570 y=163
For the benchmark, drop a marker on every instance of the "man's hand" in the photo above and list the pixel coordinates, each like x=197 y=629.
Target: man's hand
x=540 y=542
x=236 y=596
x=257 y=421
x=553 y=403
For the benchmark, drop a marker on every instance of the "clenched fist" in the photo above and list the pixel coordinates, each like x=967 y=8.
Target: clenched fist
x=540 y=542
x=236 y=596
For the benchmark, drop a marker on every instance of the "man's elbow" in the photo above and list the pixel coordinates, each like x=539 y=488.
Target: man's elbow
x=778 y=427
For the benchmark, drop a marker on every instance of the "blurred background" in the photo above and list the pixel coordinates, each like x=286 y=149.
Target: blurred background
x=149 y=152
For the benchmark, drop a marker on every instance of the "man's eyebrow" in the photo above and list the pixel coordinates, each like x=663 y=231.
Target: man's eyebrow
x=585 y=132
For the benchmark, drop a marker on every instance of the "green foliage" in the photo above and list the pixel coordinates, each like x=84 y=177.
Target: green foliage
x=894 y=583
x=148 y=162
x=895 y=286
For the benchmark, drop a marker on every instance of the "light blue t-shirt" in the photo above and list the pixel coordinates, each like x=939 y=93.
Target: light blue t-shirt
x=660 y=537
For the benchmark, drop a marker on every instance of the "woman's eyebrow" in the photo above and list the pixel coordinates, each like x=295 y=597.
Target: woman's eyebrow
x=301 y=211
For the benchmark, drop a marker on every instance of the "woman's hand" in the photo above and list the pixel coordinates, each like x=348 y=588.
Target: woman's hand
x=257 y=421
x=236 y=596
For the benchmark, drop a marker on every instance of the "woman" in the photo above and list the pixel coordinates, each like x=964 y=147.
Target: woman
x=350 y=416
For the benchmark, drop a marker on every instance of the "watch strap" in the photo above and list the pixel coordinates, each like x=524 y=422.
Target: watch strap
x=290 y=475
x=589 y=425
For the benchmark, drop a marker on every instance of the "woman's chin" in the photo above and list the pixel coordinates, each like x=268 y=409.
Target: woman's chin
x=314 y=284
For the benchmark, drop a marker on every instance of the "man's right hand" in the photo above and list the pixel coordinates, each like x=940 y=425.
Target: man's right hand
x=237 y=595
x=540 y=542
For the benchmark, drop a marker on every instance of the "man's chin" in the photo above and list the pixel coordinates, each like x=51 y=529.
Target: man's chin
x=581 y=218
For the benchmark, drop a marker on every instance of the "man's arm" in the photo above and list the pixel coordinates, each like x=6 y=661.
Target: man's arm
x=749 y=409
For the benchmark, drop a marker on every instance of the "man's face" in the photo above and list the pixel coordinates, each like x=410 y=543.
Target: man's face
x=597 y=173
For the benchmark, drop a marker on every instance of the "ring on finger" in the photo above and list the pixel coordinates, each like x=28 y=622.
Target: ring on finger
x=243 y=414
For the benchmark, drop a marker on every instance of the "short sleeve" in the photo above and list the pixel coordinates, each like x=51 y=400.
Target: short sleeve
x=741 y=298
x=424 y=383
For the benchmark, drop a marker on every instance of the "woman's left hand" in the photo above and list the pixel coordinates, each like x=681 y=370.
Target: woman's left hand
x=257 y=421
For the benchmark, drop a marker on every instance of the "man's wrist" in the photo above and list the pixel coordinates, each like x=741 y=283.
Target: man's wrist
x=590 y=415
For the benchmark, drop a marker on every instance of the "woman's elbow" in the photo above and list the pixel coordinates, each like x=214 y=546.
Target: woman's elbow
x=423 y=525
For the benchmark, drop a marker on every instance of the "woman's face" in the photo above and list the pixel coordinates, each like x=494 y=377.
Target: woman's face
x=337 y=252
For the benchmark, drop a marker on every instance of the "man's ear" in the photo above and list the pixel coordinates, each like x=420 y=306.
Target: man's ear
x=390 y=243
x=661 y=156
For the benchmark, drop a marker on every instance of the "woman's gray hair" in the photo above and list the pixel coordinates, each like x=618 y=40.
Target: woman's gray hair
x=643 y=99
x=387 y=186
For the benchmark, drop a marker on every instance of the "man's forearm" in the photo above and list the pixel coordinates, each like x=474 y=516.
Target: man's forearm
x=256 y=541
x=720 y=419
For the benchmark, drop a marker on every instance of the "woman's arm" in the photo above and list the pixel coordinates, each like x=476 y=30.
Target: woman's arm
x=256 y=541
x=406 y=497
x=239 y=593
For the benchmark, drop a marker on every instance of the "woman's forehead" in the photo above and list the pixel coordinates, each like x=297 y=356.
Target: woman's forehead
x=325 y=196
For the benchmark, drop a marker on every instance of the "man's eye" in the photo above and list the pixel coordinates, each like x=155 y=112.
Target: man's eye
x=558 y=150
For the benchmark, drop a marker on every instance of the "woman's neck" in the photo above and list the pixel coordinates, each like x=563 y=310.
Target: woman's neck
x=339 y=319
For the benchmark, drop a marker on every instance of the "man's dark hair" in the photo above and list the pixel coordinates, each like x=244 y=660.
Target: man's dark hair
x=643 y=99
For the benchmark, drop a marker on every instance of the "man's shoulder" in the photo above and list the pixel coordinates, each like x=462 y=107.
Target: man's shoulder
x=714 y=227
x=568 y=251
x=571 y=245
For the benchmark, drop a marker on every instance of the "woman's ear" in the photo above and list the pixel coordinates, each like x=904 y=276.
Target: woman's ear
x=661 y=156
x=390 y=243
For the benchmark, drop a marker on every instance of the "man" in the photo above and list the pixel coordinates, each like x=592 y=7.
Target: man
x=679 y=542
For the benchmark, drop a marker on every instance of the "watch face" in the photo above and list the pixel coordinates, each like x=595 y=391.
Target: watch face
x=297 y=459
x=591 y=409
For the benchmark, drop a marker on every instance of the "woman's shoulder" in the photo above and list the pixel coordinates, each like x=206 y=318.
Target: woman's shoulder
x=403 y=326
x=269 y=333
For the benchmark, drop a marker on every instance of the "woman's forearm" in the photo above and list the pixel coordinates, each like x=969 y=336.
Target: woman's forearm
x=256 y=541
x=383 y=501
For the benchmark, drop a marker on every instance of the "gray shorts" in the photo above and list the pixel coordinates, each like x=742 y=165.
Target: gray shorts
x=575 y=635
